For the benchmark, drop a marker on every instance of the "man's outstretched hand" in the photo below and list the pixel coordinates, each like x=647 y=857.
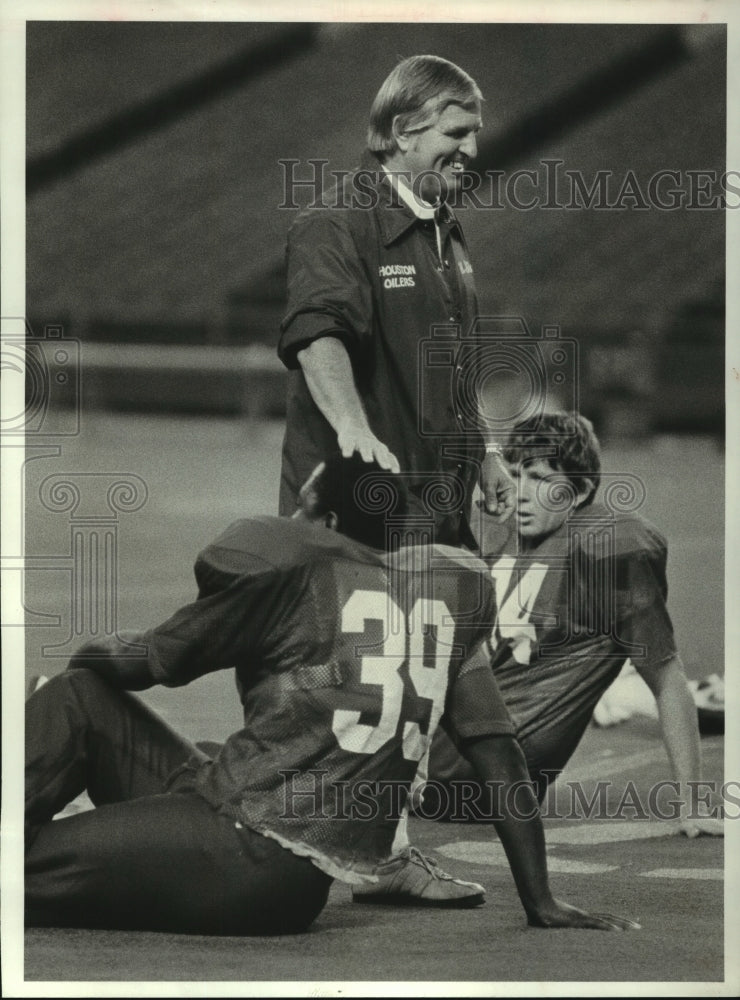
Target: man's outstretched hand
x=352 y=436
x=559 y=915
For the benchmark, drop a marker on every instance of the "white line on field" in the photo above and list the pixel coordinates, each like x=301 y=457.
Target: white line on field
x=713 y=874
x=485 y=853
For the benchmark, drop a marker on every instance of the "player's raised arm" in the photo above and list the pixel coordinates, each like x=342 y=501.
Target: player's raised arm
x=499 y=759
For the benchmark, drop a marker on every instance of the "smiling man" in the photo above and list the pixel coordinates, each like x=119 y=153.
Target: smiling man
x=371 y=273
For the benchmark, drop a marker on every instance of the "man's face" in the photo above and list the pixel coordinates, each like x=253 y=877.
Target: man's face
x=445 y=148
x=545 y=498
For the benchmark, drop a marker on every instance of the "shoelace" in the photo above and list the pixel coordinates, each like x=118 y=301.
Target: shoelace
x=428 y=864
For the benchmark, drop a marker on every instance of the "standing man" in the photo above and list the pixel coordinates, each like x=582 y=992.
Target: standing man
x=369 y=277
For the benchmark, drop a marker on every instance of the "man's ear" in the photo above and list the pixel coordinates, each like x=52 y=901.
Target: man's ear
x=403 y=138
x=586 y=490
x=331 y=520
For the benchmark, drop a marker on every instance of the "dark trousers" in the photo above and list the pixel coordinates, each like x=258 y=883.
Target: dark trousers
x=145 y=858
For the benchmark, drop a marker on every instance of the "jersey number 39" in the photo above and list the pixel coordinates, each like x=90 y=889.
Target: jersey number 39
x=430 y=623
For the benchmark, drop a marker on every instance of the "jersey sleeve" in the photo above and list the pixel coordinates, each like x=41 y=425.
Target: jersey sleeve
x=237 y=576
x=247 y=547
x=213 y=633
x=328 y=290
x=641 y=587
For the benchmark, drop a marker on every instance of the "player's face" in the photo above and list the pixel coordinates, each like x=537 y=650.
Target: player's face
x=545 y=499
x=444 y=148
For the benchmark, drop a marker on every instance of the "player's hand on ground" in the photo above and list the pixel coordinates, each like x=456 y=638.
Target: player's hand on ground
x=702 y=815
x=708 y=826
x=558 y=915
x=498 y=488
x=353 y=437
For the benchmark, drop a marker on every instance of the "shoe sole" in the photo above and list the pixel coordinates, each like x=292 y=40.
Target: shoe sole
x=392 y=899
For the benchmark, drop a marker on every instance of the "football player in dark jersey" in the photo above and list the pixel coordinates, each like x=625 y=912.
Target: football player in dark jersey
x=580 y=587
x=347 y=658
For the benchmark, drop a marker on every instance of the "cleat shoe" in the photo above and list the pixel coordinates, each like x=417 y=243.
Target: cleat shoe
x=411 y=879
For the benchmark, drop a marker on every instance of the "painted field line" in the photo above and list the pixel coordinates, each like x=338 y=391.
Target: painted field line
x=493 y=854
x=583 y=834
x=712 y=874
x=609 y=831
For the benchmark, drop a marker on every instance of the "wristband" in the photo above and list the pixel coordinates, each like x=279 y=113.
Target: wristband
x=494 y=449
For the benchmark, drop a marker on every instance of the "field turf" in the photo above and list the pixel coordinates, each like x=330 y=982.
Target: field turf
x=200 y=475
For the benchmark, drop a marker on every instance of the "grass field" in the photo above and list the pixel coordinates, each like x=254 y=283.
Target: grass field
x=199 y=475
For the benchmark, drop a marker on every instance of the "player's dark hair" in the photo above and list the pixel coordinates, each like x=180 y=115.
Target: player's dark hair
x=417 y=91
x=566 y=441
x=363 y=496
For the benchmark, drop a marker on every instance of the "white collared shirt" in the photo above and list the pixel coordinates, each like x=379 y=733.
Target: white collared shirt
x=421 y=209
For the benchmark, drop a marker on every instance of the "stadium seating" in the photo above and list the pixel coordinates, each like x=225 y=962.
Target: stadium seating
x=169 y=231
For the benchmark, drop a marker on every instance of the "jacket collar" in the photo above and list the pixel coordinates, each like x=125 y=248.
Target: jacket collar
x=393 y=215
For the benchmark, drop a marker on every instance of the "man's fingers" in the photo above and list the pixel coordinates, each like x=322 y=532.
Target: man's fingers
x=370 y=449
x=347 y=444
x=501 y=504
x=509 y=500
x=386 y=459
x=709 y=827
x=609 y=922
x=565 y=915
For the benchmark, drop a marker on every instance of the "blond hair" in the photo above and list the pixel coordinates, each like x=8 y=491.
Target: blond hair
x=416 y=93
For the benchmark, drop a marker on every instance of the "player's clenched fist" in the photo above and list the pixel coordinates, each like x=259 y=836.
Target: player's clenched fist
x=497 y=486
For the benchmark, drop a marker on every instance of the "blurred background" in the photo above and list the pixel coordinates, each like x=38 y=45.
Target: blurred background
x=155 y=240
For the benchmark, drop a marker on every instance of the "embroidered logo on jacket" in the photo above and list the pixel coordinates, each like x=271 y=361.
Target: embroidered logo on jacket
x=397 y=275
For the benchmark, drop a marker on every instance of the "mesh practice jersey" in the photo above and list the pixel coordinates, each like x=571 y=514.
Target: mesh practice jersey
x=346 y=659
x=572 y=610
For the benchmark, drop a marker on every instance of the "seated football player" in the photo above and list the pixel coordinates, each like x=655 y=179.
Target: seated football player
x=347 y=658
x=580 y=588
